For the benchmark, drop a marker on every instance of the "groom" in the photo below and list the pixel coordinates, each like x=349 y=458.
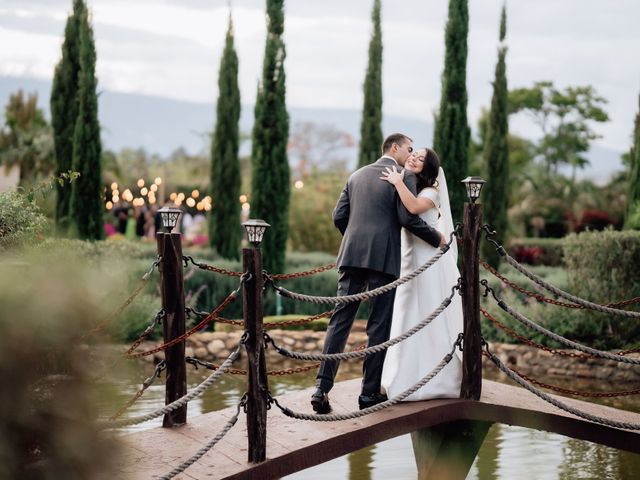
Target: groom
x=369 y=215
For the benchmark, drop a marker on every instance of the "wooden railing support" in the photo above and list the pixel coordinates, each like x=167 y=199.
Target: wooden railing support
x=257 y=387
x=471 y=386
x=173 y=325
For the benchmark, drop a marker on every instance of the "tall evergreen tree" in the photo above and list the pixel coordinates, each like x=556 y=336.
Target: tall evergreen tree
x=496 y=153
x=633 y=192
x=271 y=186
x=371 y=126
x=86 y=202
x=224 y=222
x=64 y=109
x=451 y=135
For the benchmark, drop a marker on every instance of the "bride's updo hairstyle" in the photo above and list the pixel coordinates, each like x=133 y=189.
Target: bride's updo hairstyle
x=429 y=174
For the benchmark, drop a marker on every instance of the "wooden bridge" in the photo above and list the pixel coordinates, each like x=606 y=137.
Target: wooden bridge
x=446 y=433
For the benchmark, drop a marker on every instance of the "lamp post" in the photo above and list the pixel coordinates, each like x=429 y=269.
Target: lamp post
x=471 y=386
x=172 y=292
x=257 y=385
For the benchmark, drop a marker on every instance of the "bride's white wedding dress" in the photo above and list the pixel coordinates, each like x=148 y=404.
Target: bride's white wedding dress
x=409 y=361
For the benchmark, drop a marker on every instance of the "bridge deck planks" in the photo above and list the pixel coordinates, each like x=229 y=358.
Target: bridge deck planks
x=293 y=445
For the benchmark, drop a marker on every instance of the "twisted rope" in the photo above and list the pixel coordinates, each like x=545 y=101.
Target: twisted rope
x=187 y=463
x=561 y=293
x=557 y=403
x=577 y=346
x=380 y=406
x=358 y=297
x=370 y=350
x=196 y=392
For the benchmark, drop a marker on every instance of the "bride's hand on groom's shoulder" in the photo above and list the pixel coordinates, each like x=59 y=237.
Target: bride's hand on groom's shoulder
x=392 y=175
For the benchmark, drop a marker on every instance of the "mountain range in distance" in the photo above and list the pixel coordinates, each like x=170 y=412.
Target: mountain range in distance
x=161 y=125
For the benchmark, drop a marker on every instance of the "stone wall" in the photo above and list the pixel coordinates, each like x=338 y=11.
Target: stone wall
x=217 y=346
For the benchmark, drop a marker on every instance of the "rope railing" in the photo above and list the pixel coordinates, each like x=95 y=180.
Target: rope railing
x=180 y=402
x=542 y=298
x=146 y=384
x=375 y=408
x=236 y=371
x=567 y=296
x=200 y=453
x=359 y=297
x=152 y=326
x=555 y=402
x=370 y=350
x=553 y=336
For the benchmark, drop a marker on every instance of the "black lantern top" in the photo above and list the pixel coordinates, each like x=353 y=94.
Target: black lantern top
x=255 y=229
x=473 y=186
x=169 y=217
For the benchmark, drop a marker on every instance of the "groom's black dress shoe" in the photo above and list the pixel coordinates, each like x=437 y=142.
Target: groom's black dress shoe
x=366 y=401
x=320 y=401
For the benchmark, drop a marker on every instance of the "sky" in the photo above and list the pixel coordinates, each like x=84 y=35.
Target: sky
x=172 y=48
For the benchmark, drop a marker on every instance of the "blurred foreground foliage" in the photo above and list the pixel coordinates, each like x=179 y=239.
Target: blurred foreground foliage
x=48 y=403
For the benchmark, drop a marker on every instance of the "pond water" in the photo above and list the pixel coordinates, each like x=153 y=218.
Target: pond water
x=507 y=452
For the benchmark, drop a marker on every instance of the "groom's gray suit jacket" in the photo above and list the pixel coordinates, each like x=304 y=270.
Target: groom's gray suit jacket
x=369 y=215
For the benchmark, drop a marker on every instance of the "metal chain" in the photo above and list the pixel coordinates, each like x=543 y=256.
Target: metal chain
x=235 y=371
x=156 y=320
x=230 y=298
x=565 y=295
x=358 y=297
x=370 y=350
x=143 y=282
x=269 y=325
x=285 y=276
x=278 y=276
x=187 y=463
x=542 y=298
x=530 y=342
x=146 y=384
x=567 y=391
x=196 y=392
x=380 y=406
x=569 y=343
x=557 y=403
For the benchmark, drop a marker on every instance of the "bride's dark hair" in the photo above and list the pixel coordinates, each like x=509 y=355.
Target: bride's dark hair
x=429 y=174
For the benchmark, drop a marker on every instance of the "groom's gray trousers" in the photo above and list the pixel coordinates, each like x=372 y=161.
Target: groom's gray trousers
x=355 y=280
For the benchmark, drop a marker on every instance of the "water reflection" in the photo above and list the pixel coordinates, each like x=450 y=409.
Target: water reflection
x=507 y=452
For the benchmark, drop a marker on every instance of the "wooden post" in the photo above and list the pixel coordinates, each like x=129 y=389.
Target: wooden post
x=471 y=386
x=257 y=387
x=172 y=292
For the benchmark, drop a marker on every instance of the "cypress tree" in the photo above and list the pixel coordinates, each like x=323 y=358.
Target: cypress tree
x=633 y=192
x=224 y=222
x=370 y=128
x=64 y=109
x=270 y=181
x=451 y=135
x=86 y=202
x=496 y=154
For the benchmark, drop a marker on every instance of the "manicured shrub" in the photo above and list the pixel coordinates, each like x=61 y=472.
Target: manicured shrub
x=21 y=221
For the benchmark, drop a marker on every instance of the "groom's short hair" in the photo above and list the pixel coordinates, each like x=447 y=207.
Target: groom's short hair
x=399 y=138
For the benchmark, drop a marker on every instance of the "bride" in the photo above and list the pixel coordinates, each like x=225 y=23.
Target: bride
x=407 y=362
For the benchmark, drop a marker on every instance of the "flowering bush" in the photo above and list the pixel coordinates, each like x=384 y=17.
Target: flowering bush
x=21 y=221
x=594 y=220
x=529 y=255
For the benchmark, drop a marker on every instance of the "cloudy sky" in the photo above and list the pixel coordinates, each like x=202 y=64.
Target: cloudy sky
x=172 y=48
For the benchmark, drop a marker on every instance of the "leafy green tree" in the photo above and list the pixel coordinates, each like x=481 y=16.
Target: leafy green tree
x=86 y=202
x=451 y=134
x=371 y=126
x=271 y=186
x=224 y=222
x=565 y=119
x=26 y=140
x=633 y=192
x=496 y=154
x=64 y=108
